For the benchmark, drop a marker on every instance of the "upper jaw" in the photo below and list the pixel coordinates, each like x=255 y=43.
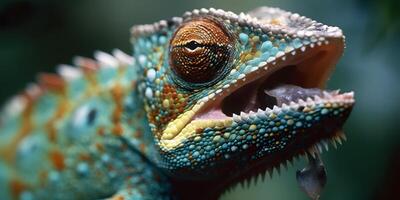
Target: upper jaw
x=267 y=19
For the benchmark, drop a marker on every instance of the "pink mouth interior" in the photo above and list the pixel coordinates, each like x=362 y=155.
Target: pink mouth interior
x=214 y=113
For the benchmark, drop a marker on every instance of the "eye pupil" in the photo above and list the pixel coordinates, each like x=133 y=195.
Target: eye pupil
x=91 y=116
x=192 y=45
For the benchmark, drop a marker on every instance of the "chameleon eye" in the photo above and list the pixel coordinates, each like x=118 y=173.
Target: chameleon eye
x=200 y=51
x=84 y=118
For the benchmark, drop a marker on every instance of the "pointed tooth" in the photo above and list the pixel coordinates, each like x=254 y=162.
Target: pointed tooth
x=333 y=142
x=313 y=154
x=263 y=175
x=294 y=105
x=325 y=143
x=254 y=180
x=270 y=172
x=291 y=161
x=322 y=145
x=319 y=146
x=285 y=165
x=349 y=95
x=257 y=178
x=338 y=140
x=244 y=116
x=248 y=181
x=261 y=114
x=311 y=150
x=336 y=92
x=276 y=109
x=316 y=153
x=327 y=94
x=342 y=135
x=236 y=118
x=252 y=115
x=302 y=102
x=278 y=169
x=297 y=158
x=227 y=191
x=285 y=106
x=242 y=184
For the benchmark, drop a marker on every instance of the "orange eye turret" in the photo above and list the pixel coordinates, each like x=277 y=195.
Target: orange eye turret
x=199 y=50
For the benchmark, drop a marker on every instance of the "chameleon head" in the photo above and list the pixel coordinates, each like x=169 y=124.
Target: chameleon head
x=239 y=92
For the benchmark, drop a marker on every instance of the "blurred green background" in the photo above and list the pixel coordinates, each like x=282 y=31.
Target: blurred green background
x=37 y=35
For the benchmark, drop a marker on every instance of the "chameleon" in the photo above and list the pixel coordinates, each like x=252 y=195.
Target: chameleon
x=205 y=101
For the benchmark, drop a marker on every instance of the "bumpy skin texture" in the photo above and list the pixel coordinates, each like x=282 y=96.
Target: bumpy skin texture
x=153 y=126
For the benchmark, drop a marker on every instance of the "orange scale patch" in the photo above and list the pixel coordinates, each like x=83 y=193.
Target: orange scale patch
x=17 y=187
x=118 y=197
x=57 y=159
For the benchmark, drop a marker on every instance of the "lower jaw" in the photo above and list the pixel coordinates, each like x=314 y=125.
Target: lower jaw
x=256 y=182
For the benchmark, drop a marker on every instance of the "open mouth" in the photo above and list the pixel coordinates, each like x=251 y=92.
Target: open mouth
x=278 y=89
x=288 y=81
x=265 y=96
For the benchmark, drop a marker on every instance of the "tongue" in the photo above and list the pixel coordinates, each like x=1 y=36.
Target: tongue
x=288 y=93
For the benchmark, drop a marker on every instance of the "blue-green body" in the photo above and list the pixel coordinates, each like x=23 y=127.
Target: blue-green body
x=129 y=128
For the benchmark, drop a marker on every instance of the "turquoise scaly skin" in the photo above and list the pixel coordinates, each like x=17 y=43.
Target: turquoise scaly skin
x=151 y=127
